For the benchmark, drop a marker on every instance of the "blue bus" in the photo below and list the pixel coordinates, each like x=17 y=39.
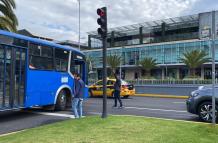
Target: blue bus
x=35 y=72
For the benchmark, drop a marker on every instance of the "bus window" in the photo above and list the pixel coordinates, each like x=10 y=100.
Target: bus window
x=61 y=59
x=1 y=74
x=77 y=67
x=6 y=40
x=13 y=41
x=40 y=57
x=20 y=42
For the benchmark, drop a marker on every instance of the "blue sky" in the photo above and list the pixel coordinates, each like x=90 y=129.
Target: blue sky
x=58 y=19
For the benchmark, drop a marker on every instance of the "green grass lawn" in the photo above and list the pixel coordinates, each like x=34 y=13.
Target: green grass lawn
x=114 y=129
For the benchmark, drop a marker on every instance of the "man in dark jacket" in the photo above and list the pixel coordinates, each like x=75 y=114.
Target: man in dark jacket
x=78 y=96
x=117 y=88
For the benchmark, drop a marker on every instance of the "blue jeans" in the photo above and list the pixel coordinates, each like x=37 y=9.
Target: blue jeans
x=117 y=97
x=77 y=107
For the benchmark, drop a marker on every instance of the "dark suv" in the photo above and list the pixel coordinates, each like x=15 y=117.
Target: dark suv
x=200 y=102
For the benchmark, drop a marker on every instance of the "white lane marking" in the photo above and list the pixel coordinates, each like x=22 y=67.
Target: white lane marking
x=98 y=113
x=179 y=102
x=151 y=109
x=56 y=114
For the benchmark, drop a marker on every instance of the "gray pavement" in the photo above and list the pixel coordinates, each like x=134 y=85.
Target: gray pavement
x=144 y=106
x=170 y=89
x=12 y=121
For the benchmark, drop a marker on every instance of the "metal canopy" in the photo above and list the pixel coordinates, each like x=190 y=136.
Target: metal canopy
x=169 y=21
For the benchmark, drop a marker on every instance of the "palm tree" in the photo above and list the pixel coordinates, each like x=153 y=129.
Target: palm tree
x=113 y=62
x=148 y=64
x=8 y=20
x=194 y=59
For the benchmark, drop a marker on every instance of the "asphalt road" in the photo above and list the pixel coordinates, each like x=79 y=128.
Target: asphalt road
x=143 y=106
x=137 y=106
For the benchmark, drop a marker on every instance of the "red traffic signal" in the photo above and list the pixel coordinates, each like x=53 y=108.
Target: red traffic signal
x=101 y=12
x=102 y=21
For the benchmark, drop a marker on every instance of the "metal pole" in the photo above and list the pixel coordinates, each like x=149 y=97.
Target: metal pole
x=104 y=113
x=165 y=63
x=213 y=68
x=104 y=42
x=79 y=24
x=121 y=62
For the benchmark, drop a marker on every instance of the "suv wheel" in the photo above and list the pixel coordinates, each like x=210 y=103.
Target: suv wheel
x=205 y=112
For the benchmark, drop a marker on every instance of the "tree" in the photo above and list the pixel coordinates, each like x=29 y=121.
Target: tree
x=8 y=20
x=148 y=64
x=113 y=62
x=194 y=59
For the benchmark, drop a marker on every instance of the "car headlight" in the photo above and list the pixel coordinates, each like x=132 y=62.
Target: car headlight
x=194 y=94
x=200 y=87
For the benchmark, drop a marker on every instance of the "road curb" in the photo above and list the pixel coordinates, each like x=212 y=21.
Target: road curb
x=162 y=96
x=176 y=120
x=11 y=133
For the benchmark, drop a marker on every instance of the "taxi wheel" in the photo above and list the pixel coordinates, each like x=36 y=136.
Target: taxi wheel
x=90 y=93
x=127 y=96
x=112 y=94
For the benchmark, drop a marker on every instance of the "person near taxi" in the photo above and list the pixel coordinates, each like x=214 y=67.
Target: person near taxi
x=78 y=96
x=117 y=88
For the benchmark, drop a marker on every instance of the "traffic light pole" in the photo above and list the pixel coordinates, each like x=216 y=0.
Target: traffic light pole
x=213 y=69
x=102 y=21
x=104 y=113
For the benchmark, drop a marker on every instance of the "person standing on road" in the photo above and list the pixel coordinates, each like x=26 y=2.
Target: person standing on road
x=78 y=96
x=117 y=88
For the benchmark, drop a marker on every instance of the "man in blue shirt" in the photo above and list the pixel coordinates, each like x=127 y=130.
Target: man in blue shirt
x=79 y=86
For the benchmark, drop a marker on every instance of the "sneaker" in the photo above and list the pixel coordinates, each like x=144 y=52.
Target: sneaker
x=114 y=106
x=121 y=107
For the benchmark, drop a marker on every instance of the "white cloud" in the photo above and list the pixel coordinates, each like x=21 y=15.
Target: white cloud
x=59 y=19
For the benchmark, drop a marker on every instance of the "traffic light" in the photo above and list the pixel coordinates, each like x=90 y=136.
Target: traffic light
x=102 y=21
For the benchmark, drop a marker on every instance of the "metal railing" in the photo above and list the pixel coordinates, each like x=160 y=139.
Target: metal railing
x=166 y=81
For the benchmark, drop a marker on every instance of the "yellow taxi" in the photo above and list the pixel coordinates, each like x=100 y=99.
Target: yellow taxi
x=97 y=88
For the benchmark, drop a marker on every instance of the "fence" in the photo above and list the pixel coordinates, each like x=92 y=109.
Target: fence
x=164 y=82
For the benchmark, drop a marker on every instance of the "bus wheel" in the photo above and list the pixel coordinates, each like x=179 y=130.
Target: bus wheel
x=61 y=101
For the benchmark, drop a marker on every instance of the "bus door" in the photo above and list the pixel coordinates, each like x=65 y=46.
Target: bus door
x=79 y=66
x=12 y=76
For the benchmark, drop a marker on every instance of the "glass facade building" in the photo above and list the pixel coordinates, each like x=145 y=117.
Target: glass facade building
x=164 y=40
